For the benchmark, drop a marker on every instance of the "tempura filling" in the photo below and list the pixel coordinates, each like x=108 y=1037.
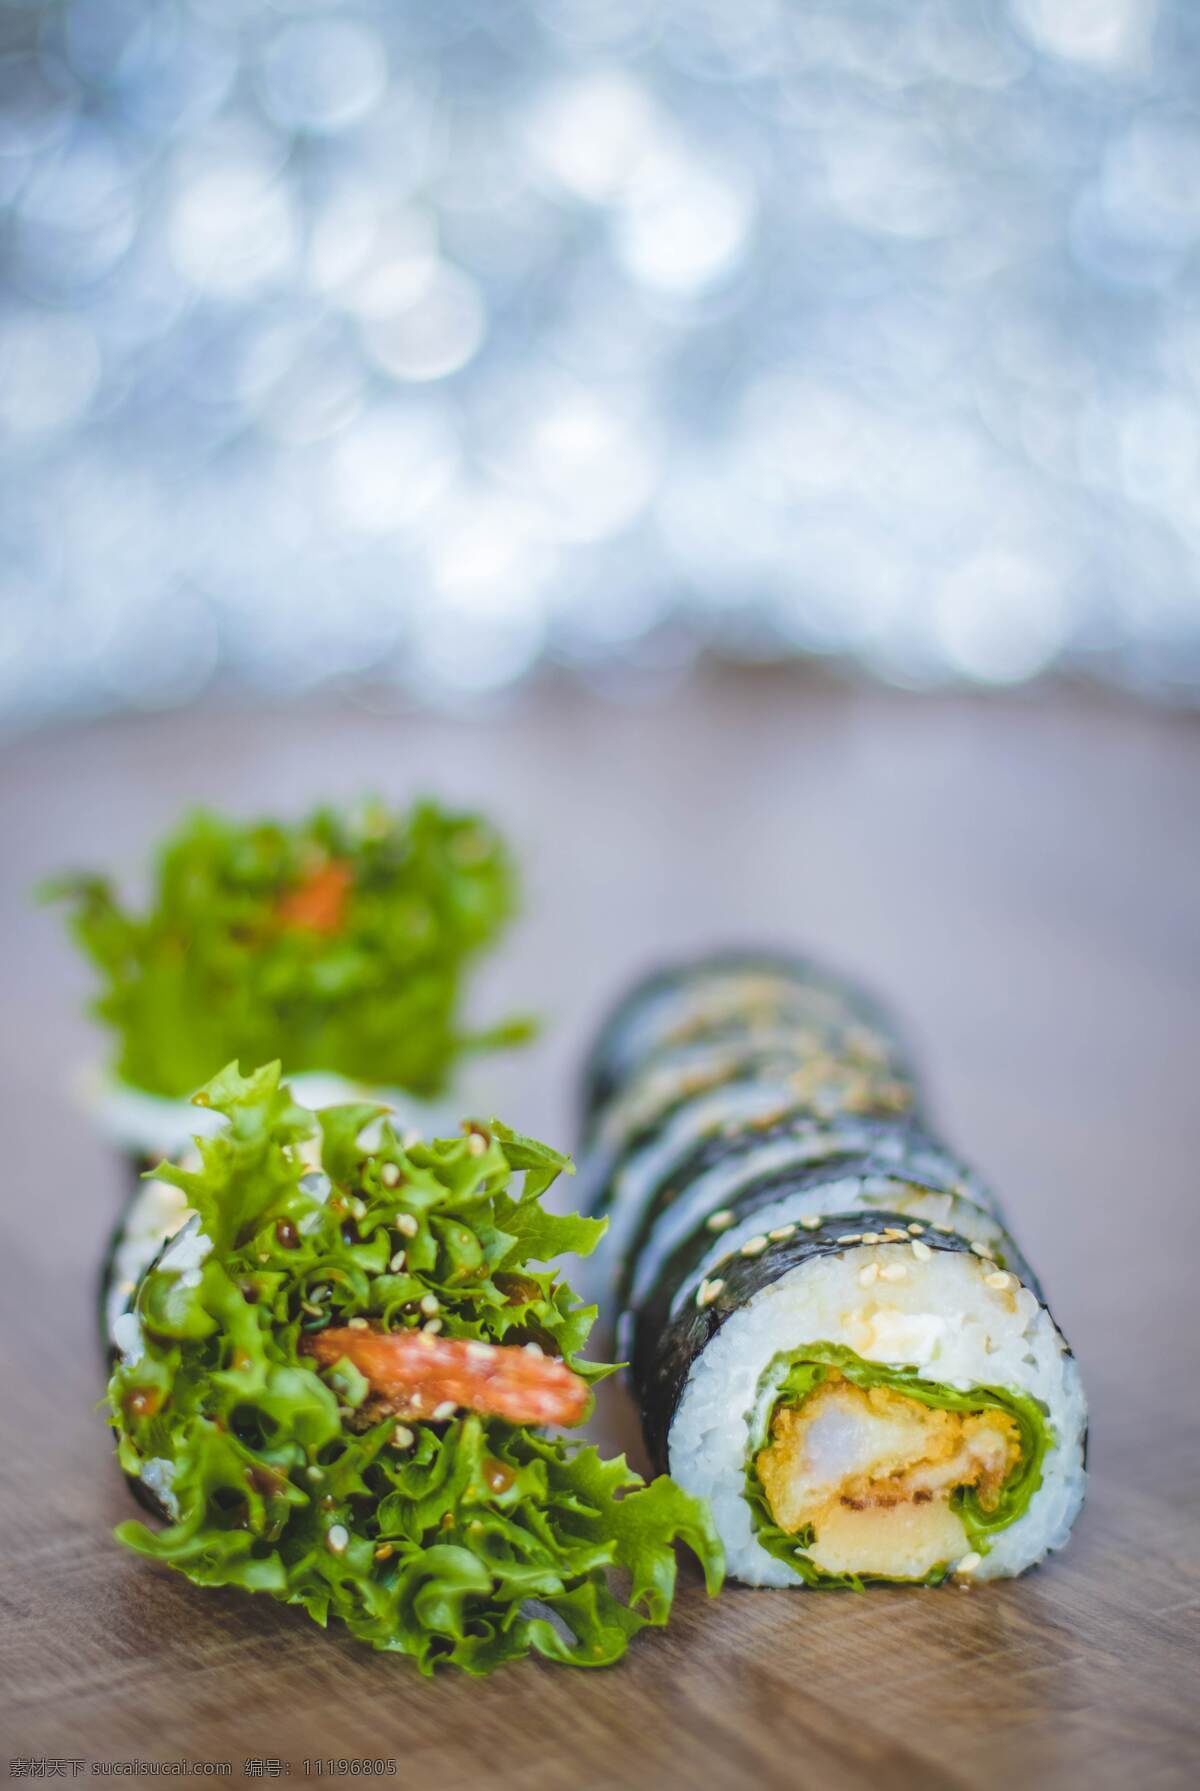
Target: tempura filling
x=872 y=1481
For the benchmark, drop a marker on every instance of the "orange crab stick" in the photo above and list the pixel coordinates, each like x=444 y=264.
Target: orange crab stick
x=319 y=902
x=414 y=1375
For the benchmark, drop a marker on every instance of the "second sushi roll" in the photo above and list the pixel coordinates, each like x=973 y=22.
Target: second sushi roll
x=831 y=1332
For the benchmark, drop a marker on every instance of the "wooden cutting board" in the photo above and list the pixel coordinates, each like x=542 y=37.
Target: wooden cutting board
x=1021 y=877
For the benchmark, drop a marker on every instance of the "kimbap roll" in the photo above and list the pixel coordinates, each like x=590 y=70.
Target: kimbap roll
x=830 y=1331
x=340 y=1384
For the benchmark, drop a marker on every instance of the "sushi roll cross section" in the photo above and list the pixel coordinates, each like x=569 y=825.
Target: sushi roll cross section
x=341 y=1383
x=831 y=1334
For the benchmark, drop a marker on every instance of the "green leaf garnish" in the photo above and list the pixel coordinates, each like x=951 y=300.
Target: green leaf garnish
x=473 y=1542
x=338 y=943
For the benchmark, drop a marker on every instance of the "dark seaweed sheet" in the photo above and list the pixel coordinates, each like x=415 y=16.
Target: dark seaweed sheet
x=916 y=1155
x=137 y=1165
x=604 y=1071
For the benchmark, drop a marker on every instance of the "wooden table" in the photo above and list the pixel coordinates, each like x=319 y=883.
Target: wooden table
x=1021 y=876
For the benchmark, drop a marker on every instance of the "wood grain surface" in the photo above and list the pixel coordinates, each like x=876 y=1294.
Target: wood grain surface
x=1021 y=877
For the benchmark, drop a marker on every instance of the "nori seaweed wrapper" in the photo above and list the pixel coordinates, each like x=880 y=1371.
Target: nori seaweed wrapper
x=848 y=1146
x=811 y=989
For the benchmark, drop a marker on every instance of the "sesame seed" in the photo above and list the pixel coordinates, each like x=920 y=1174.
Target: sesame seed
x=707 y=1291
x=999 y=1280
x=424 y=1338
x=401 y=1437
x=314 y=1311
x=358 y=1207
x=318 y=1293
x=946 y=1230
x=984 y=1250
x=921 y=1251
x=872 y=1237
x=406 y=1225
x=314 y=1473
x=534 y=1349
x=812 y=1222
x=389 y=1175
x=969 y=1563
x=481 y=1351
x=894 y=1234
x=476 y=1144
x=356 y=1324
x=781 y=1233
x=430 y=1303
x=446 y=1409
x=754 y=1246
x=410 y=1139
x=916 y=1229
x=719 y=1221
x=397 y=1262
x=432 y=1328
x=868 y=1274
x=893 y=1271
x=337 y=1539
x=384 y=1552
x=850 y=1237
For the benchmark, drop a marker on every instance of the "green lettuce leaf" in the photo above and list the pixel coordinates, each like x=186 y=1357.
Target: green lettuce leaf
x=805 y=1370
x=466 y=1543
x=243 y=952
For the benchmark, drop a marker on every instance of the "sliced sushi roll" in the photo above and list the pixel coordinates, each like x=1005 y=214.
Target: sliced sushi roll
x=728 y=996
x=897 y=1411
x=803 y=1174
x=341 y=1384
x=830 y=1329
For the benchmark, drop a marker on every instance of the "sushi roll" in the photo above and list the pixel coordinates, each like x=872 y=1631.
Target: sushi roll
x=341 y=1384
x=830 y=1331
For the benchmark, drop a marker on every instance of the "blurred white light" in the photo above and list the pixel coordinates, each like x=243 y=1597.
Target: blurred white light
x=1000 y=617
x=323 y=74
x=806 y=435
x=232 y=228
x=458 y=652
x=1160 y=452
x=49 y=371
x=1151 y=182
x=1101 y=34
x=488 y=555
x=310 y=392
x=392 y=464
x=399 y=268
x=435 y=335
x=589 y=466
x=162 y=653
x=892 y=178
x=591 y=132
x=684 y=226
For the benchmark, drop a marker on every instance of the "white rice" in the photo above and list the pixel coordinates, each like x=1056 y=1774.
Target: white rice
x=942 y=1319
x=850 y=1194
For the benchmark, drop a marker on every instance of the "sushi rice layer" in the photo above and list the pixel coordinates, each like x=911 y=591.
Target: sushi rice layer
x=944 y=1320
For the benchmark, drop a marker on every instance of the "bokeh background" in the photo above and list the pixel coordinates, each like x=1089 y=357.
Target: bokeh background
x=426 y=349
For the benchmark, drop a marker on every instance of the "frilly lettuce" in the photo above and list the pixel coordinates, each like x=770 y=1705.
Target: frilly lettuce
x=478 y=1542
x=337 y=943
